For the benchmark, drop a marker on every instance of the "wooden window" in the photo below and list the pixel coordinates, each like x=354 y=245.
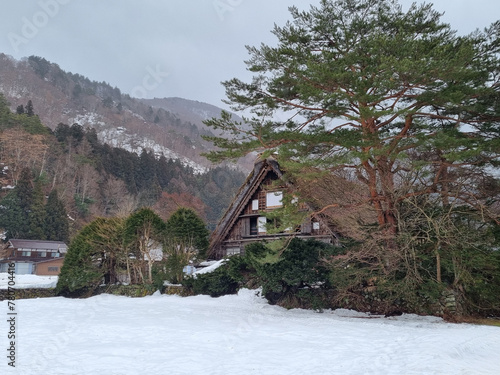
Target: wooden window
x=255 y=205
x=274 y=199
x=233 y=251
x=261 y=224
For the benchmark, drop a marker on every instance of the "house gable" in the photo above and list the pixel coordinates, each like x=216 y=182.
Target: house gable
x=244 y=221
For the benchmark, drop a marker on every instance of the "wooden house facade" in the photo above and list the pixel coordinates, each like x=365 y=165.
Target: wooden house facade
x=245 y=222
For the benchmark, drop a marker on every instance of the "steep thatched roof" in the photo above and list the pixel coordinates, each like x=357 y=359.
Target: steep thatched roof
x=261 y=168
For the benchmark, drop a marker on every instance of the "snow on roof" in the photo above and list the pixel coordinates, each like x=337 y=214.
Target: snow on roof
x=39 y=245
x=210 y=268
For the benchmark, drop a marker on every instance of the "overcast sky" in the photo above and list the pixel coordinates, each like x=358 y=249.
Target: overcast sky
x=165 y=48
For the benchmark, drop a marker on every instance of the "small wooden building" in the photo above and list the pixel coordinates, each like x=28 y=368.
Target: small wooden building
x=51 y=267
x=244 y=221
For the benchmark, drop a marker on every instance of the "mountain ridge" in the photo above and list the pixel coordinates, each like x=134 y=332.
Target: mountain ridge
x=172 y=127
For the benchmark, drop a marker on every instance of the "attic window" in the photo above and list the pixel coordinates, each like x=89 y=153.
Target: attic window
x=315 y=225
x=274 y=199
x=255 y=205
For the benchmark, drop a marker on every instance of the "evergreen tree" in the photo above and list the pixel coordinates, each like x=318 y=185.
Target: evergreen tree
x=92 y=256
x=147 y=169
x=144 y=233
x=11 y=216
x=29 y=109
x=20 y=110
x=56 y=219
x=24 y=193
x=6 y=120
x=37 y=214
x=185 y=226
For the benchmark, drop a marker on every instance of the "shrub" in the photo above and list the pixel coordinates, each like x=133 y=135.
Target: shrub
x=294 y=273
x=226 y=279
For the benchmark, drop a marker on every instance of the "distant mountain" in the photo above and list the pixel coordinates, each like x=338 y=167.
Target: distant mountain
x=171 y=126
x=187 y=110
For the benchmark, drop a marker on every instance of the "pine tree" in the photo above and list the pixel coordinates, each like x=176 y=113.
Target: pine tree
x=11 y=216
x=24 y=193
x=37 y=214
x=380 y=94
x=56 y=219
x=29 y=109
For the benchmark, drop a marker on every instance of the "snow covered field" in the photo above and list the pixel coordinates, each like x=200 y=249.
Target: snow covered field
x=240 y=334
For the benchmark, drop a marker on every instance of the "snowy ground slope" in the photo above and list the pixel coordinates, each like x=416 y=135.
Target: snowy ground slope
x=235 y=335
x=28 y=281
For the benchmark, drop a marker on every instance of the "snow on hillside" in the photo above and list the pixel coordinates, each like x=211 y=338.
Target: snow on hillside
x=118 y=137
x=238 y=334
x=28 y=281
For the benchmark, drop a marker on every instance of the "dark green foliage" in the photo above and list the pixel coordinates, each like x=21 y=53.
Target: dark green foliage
x=56 y=219
x=6 y=118
x=144 y=231
x=29 y=109
x=93 y=258
x=81 y=272
x=146 y=224
x=297 y=273
x=37 y=230
x=12 y=219
x=40 y=65
x=214 y=284
x=22 y=118
x=24 y=199
x=298 y=268
x=185 y=226
x=226 y=279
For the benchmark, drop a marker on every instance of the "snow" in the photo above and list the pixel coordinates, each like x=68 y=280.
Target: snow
x=116 y=137
x=210 y=268
x=28 y=281
x=237 y=334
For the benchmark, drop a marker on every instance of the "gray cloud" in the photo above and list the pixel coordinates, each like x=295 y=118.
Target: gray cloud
x=199 y=43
